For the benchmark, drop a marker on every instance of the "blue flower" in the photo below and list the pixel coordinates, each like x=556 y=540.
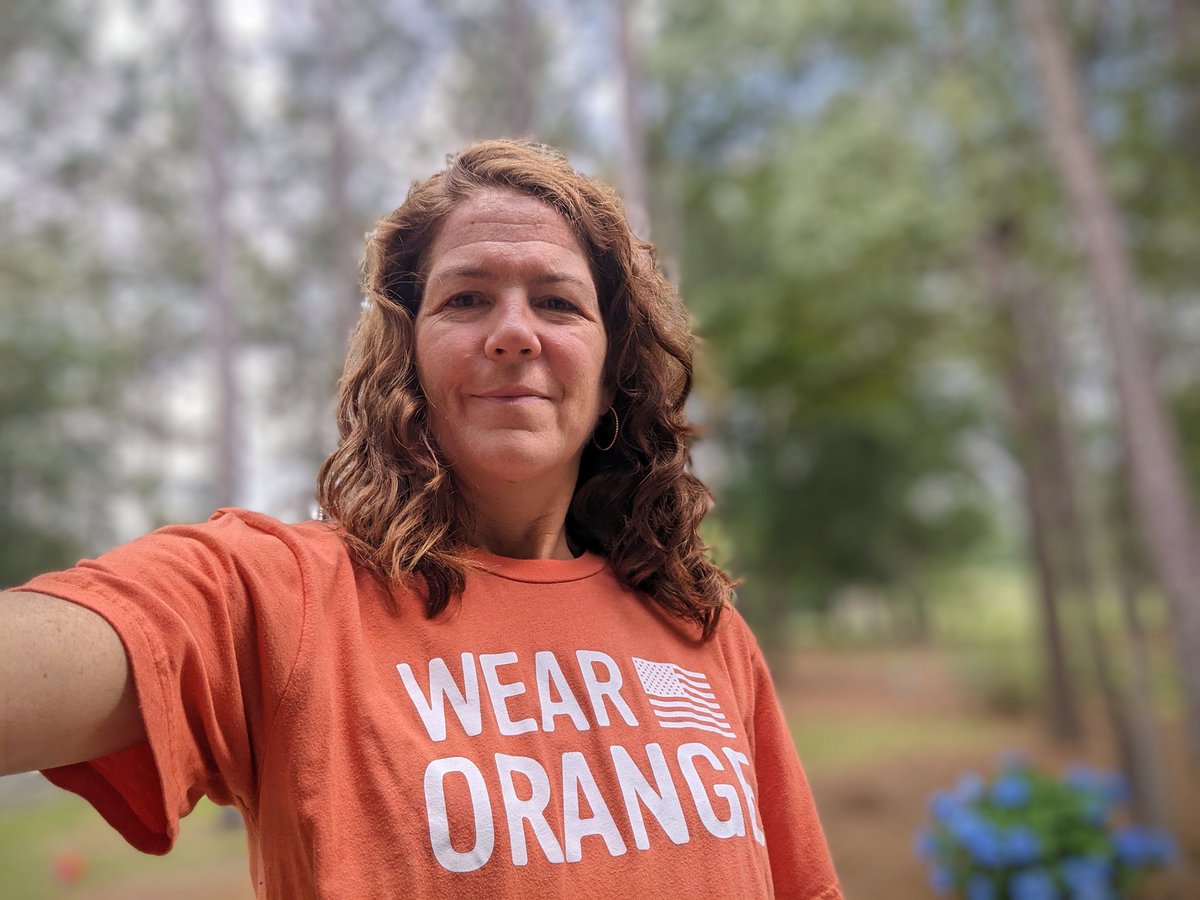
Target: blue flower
x=941 y=880
x=1110 y=788
x=1117 y=789
x=1014 y=761
x=978 y=837
x=1021 y=846
x=1079 y=775
x=1094 y=890
x=970 y=788
x=925 y=844
x=1165 y=851
x=1129 y=846
x=1033 y=884
x=1096 y=810
x=982 y=844
x=1011 y=791
x=1088 y=877
x=1139 y=847
x=981 y=887
x=962 y=823
x=943 y=805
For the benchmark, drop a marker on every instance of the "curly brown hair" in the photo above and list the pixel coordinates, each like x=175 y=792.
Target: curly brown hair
x=388 y=486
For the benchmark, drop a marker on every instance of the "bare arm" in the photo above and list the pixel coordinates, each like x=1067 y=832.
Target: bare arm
x=66 y=692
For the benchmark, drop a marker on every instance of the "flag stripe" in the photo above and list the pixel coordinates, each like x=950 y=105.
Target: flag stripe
x=698 y=717
x=698 y=685
x=710 y=709
x=720 y=731
x=691 y=692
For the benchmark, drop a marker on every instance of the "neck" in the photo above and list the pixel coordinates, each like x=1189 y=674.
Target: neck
x=519 y=521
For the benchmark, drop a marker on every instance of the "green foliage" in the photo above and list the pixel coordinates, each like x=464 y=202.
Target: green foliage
x=829 y=173
x=813 y=260
x=64 y=350
x=58 y=394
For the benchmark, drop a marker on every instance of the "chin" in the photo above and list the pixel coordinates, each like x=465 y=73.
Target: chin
x=518 y=459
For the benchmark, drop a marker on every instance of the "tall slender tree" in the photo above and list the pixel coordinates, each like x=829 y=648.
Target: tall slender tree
x=633 y=150
x=520 y=106
x=500 y=85
x=218 y=269
x=1063 y=532
x=1184 y=20
x=1034 y=403
x=1162 y=496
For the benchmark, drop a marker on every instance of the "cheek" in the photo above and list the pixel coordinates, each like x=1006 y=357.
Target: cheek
x=599 y=369
x=587 y=381
x=433 y=371
x=436 y=388
x=590 y=355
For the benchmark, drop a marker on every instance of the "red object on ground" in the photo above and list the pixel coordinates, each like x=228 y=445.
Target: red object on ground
x=68 y=867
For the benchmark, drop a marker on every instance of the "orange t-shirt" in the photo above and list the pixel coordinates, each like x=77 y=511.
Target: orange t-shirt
x=552 y=733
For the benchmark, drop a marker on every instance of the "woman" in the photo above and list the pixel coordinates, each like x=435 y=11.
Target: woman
x=503 y=665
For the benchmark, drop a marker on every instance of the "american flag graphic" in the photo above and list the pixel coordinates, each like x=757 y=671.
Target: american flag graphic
x=681 y=698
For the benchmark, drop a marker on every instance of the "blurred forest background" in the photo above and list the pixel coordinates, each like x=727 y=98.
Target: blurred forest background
x=944 y=254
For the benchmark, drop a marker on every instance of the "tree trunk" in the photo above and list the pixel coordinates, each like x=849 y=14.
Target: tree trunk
x=1184 y=26
x=1150 y=800
x=633 y=174
x=1030 y=402
x=223 y=326
x=1051 y=447
x=1161 y=494
x=345 y=239
x=769 y=618
x=919 y=629
x=520 y=106
x=333 y=321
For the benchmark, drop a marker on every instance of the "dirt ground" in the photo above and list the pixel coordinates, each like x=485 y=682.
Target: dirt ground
x=927 y=731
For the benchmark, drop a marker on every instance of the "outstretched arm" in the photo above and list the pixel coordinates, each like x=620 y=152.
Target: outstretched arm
x=66 y=694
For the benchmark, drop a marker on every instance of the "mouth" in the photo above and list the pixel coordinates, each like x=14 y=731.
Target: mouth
x=512 y=395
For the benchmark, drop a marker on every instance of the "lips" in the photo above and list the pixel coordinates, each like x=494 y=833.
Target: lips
x=518 y=392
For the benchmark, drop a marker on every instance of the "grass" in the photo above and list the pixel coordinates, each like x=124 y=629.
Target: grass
x=830 y=745
x=986 y=602
x=35 y=837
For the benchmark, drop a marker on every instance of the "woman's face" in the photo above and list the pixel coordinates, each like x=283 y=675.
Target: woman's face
x=510 y=344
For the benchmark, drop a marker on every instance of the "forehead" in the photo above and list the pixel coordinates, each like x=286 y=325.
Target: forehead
x=505 y=225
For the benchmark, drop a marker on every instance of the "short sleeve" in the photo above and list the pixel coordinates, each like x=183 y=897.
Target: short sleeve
x=210 y=617
x=801 y=866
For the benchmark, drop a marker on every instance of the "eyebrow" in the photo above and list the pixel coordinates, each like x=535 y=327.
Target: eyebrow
x=472 y=272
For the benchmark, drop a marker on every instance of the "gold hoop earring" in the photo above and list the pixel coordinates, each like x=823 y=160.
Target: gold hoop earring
x=616 y=431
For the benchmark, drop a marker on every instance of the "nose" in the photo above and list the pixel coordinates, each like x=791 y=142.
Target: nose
x=514 y=333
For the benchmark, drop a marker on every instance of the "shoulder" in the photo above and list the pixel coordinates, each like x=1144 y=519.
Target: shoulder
x=241 y=532
x=734 y=634
x=261 y=548
x=235 y=523
x=234 y=552
x=743 y=657
x=244 y=525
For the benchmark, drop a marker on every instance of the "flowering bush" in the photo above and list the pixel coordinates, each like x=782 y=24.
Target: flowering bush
x=1029 y=836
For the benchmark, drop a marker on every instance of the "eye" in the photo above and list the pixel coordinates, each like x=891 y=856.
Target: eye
x=558 y=304
x=465 y=300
